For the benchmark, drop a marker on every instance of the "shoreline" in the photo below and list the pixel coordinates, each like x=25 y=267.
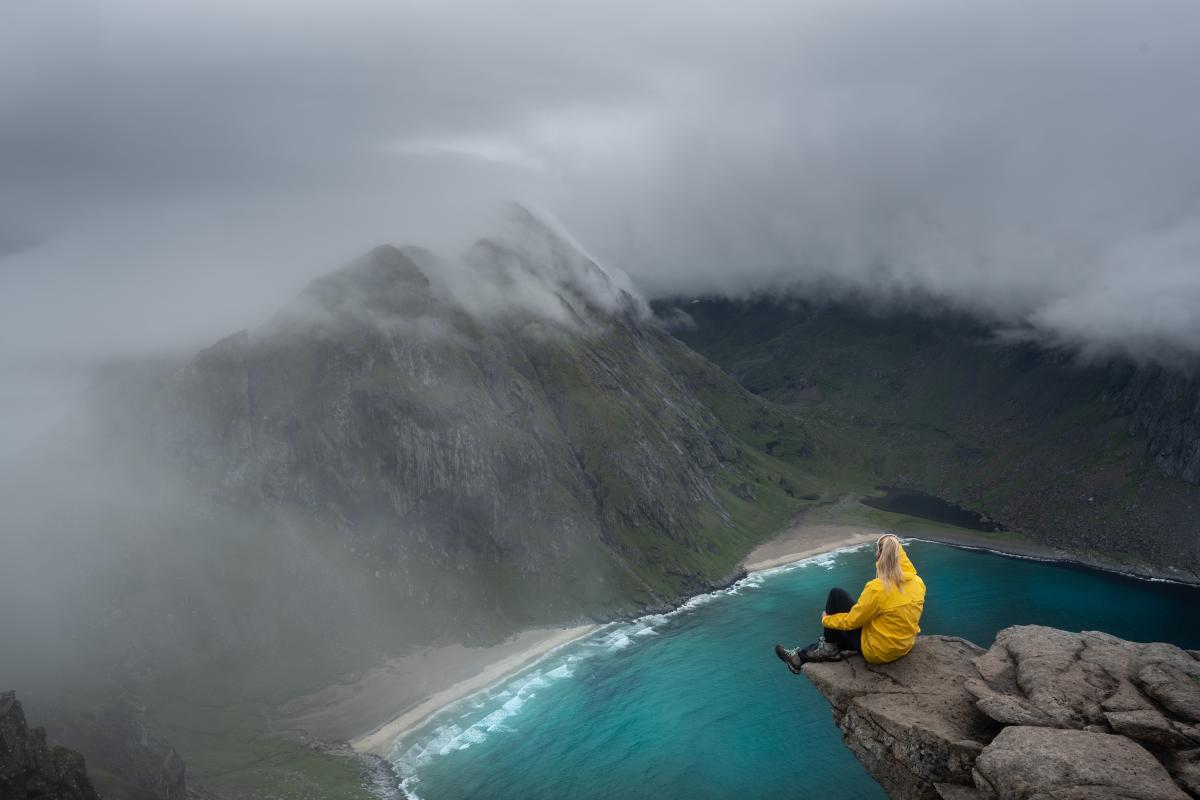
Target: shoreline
x=762 y=556
x=794 y=543
x=380 y=741
x=969 y=540
x=802 y=541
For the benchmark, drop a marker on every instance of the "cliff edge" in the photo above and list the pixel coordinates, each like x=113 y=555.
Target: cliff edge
x=31 y=768
x=1044 y=714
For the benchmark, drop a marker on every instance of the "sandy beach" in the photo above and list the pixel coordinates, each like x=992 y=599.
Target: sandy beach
x=374 y=708
x=392 y=699
x=805 y=540
x=389 y=700
x=536 y=645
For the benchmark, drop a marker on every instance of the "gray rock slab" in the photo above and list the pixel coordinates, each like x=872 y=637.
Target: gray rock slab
x=1024 y=762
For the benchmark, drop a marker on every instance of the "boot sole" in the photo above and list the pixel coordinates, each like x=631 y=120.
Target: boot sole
x=795 y=670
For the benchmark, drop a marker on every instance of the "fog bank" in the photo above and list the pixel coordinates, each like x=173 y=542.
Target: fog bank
x=174 y=172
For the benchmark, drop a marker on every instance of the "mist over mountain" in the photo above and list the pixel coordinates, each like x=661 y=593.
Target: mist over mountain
x=430 y=455
x=1091 y=455
x=1033 y=165
x=422 y=449
x=415 y=450
x=662 y=279
x=546 y=405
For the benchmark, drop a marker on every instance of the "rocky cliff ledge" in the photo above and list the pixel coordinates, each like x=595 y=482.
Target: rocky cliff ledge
x=31 y=768
x=1043 y=714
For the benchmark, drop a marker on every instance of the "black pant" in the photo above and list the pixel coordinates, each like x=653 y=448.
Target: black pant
x=838 y=602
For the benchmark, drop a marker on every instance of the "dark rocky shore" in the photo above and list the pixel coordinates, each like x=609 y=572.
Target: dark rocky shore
x=1027 y=548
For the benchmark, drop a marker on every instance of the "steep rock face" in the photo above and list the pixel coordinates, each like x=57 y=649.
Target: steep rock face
x=913 y=723
x=1043 y=713
x=524 y=434
x=31 y=768
x=116 y=739
x=1164 y=410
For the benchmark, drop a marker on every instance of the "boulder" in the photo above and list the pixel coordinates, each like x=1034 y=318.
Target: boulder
x=1175 y=685
x=1043 y=713
x=911 y=723
x=1026 y=762
x=1153 y=728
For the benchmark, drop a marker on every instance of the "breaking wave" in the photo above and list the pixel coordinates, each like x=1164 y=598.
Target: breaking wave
x=473 y=719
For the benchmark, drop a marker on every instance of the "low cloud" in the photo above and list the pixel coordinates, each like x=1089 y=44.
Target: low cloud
x=173 y=172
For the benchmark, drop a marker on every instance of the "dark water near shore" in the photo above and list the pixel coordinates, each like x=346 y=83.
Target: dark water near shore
x=694 y=704
x=926 y=506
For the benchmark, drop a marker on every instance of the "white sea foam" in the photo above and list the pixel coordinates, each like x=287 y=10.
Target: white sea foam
x=827 y=561
x=751 y=581
x=448 y=737
x=617 y=640
x=508 y=699
x=409 y=787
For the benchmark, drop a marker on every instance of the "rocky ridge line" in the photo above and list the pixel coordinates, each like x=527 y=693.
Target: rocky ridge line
x=1043 y=715
x=32 y=768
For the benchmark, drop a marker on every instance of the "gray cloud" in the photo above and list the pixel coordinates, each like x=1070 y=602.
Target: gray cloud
x=174 y=171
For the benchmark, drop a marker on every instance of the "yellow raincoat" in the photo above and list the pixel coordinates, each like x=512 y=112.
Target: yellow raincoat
x=888 y=616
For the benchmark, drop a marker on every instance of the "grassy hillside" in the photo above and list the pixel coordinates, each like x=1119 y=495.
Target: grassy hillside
x=935 y=402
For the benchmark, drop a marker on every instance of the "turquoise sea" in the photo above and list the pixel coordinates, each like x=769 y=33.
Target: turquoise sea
x=694 y=704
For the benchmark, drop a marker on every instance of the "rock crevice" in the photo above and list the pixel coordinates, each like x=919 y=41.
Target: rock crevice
x=1042 y=714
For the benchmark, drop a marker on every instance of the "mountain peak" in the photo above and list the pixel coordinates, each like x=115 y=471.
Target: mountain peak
x=385 y=269
x=385 y=283
x=535 y=261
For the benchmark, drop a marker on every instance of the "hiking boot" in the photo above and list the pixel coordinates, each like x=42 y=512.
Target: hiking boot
x=794 y=658
x=823 y=651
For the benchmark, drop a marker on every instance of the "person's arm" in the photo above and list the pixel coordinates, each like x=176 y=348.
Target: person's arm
x=907 y=570
x=864 y=610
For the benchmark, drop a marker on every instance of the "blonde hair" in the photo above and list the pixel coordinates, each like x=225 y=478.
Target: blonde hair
x=887 y=561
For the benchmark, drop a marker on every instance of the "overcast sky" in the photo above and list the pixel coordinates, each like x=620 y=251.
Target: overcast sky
x=171 y=171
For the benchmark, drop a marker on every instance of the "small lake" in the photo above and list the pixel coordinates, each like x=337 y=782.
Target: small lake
x=694 y=703
x=926 y=506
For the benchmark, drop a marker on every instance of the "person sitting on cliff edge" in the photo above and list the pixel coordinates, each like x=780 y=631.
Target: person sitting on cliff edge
x=881 y=624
